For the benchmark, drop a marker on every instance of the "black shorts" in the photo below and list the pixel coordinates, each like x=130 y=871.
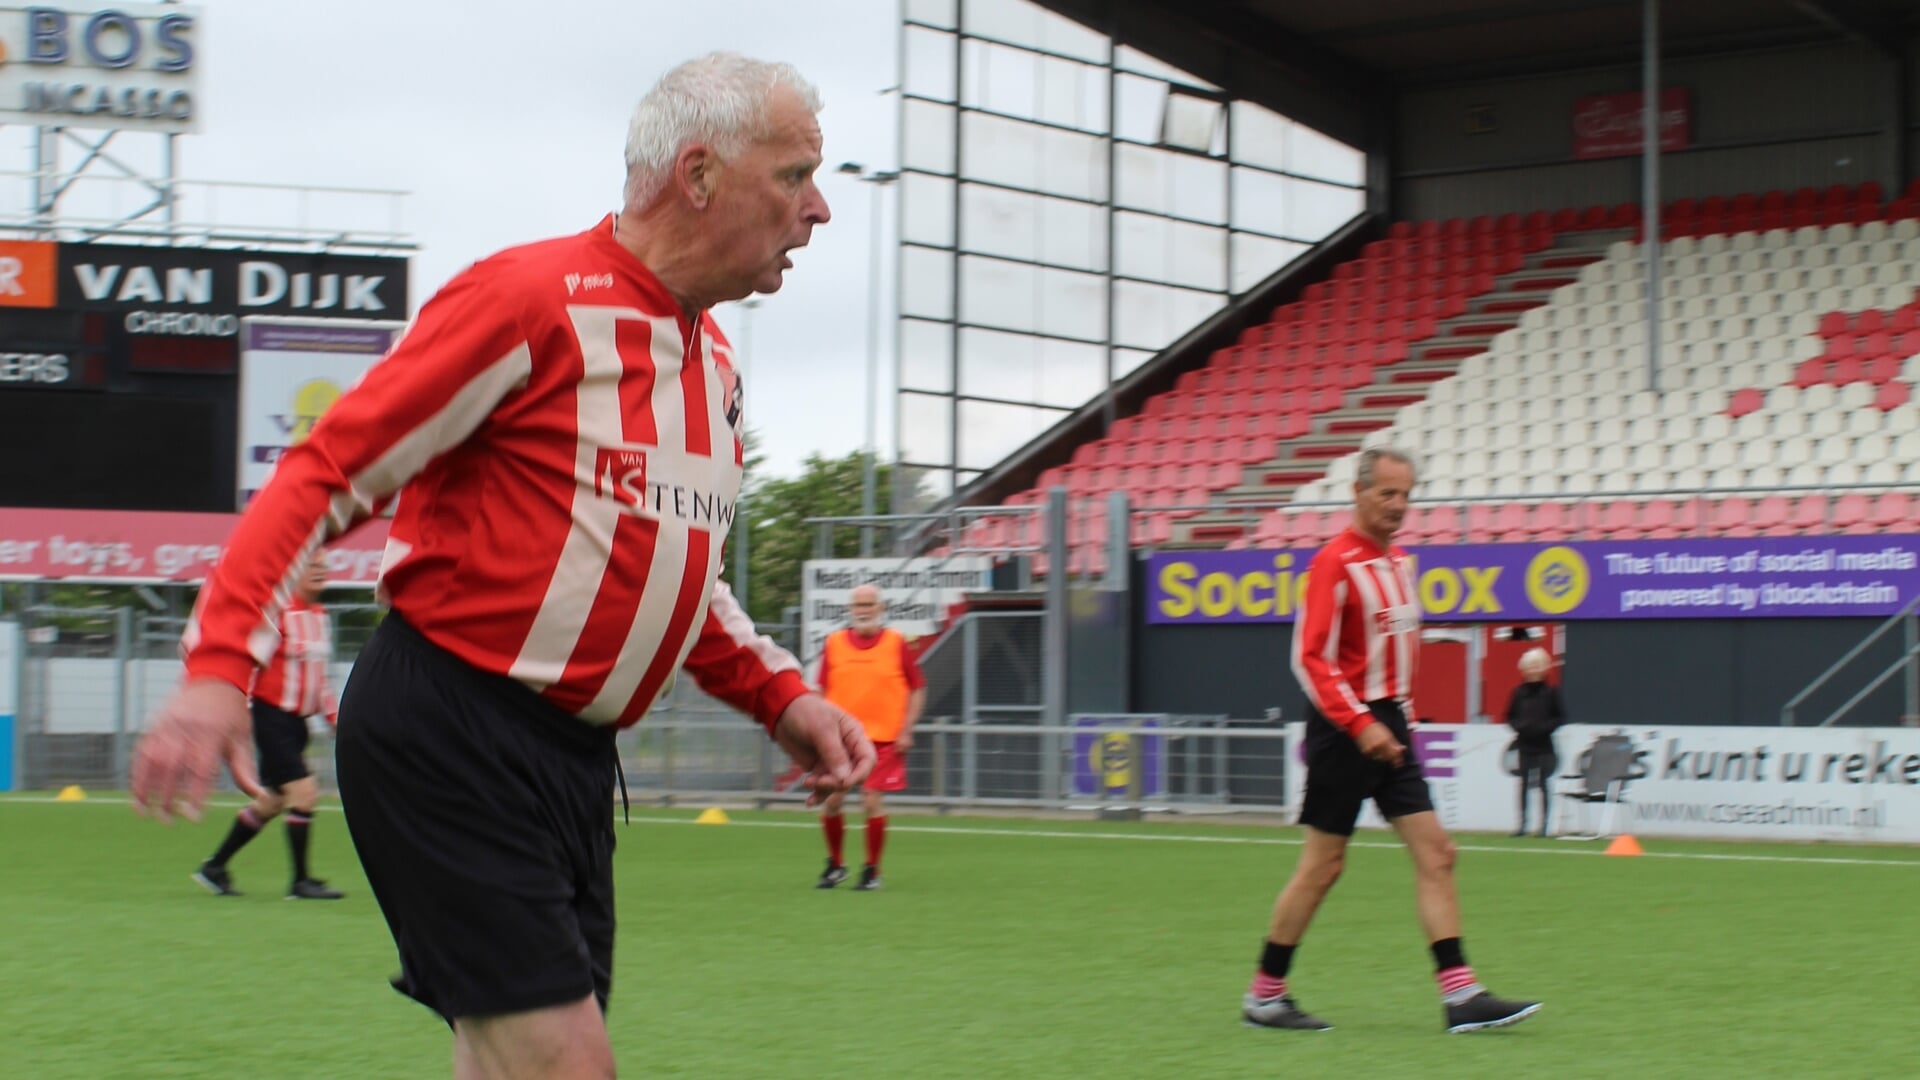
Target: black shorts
x=1340 y=777
x=483 y=816
x=280 y=740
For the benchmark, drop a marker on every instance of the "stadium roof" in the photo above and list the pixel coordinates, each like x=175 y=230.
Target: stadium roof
x=1330 y=64
x=1425 y=41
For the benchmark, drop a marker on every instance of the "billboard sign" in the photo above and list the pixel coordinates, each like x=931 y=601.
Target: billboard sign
x=1613 y=125
x=150 y=547
x=918 y=592
x=202 y=292
x=291 y=372
x=1753 y=577
x=130 y=67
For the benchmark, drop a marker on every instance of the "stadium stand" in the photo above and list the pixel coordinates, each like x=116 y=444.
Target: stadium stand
x=1510 y=353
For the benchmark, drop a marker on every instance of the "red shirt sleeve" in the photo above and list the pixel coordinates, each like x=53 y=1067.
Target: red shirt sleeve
x=742 y=667
x=1316 y=641
x=911 y=667
x=441 y=381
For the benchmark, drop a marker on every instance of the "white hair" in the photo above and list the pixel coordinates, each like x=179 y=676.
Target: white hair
x=1373 y=455
x=719 y=99
x=1535 y=659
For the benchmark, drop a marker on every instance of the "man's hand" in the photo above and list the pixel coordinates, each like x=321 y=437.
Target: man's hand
x=827 y=742
x=1377 y=743
x=177 y=759
x=904 y=741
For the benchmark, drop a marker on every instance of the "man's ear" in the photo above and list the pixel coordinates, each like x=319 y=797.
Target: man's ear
x=695 y=169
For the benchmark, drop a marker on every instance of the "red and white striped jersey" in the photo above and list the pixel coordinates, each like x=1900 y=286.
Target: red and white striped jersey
x=295 y=680
x=1356 y=637
x=566 y=445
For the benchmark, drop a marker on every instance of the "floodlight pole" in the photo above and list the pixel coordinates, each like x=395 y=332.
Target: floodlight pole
x=1650 y=178
x=878 y=179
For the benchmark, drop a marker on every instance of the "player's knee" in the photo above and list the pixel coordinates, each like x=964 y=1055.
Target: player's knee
x=1322 y=874
x=1442 y=856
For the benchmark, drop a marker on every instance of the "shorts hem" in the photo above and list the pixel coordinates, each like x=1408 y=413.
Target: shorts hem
x=504 y=1003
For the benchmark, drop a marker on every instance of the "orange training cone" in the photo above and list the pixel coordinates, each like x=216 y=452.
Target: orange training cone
x=1624 y=844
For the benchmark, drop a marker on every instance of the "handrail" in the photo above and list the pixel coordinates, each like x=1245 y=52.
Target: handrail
x=1793 y=703
x=181 y=182
x=1905 y=659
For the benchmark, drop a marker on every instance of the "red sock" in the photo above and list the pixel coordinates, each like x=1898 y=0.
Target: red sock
x=876 y=839
x=836 y=827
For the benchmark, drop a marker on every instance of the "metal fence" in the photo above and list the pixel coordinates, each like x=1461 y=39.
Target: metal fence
x=1112 y=765
x=74 y=689
x=90 y=677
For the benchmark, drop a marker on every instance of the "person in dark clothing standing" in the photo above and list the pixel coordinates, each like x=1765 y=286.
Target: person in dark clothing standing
x=1534 y=713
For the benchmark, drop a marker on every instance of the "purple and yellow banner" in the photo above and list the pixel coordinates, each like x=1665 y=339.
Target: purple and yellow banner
x=1760 y=577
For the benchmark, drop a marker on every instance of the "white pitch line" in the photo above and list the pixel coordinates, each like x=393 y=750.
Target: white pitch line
x=1280 y=841
x=1188 y=838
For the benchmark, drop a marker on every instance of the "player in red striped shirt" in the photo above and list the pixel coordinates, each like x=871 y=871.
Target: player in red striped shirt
x=1356 y=646
x=292 y=687
x=562 y=423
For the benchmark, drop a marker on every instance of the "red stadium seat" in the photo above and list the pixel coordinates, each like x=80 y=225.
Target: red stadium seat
x=1661 y=519
x=1617 y=520
x=1513 y=525
x=1850 y=514
x=1733 y=517
x=1893 y=511
x=1809 y=514
x=1744 y=401
x=1770 y=516
x=1442 y=524
x=1551 y=522
x=1299 y=526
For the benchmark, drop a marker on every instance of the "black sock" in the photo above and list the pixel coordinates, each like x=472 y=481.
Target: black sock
x=298 y=822
x=1447 y=953
x=1276 y=959
x=246 y=826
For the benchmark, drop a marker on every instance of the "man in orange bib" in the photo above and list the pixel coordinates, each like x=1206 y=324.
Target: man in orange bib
x=868 y=670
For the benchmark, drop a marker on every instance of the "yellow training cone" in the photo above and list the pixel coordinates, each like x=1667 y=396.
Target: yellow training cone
x=1624 y=844
x=712 y=815
x=72 y=793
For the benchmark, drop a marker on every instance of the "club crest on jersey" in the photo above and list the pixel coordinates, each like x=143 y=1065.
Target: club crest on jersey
x=735 y=391
x=621 y=475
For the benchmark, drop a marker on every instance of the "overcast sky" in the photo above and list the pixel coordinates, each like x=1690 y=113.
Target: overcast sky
x=506 y=122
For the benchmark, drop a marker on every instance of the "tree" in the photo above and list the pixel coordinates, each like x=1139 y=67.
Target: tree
x=777 y=509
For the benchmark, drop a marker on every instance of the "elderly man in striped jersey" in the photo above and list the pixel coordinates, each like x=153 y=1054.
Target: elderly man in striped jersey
x=562 y=424
x=1356 y=644
x=291 y=688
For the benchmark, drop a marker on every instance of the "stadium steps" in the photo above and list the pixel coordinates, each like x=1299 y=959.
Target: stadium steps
x=1337 y=434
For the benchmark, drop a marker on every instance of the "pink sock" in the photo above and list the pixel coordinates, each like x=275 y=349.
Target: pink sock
x=1456 y=981
x=1267 y=986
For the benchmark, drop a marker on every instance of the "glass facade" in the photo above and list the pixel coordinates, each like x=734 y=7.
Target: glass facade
x=1068 y=208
